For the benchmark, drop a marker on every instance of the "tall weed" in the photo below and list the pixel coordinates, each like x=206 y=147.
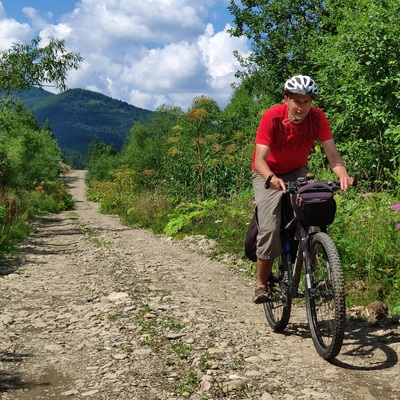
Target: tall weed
x=367 y=235
x=19 y=207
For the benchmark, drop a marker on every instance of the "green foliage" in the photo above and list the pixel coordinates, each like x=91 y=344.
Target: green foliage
x=30 y=158
x=204 y=158
x=147 y=143
x=102 y=161
x=185 y=213
x=192 y=144
x=367 y=235
x=187 y=384
x=146 y=209
x=281 y=34
x=243 y=113
x=29 y=154
x=74 y=158
x=48 y=197
x=26 y=65
x=149 y=209
x=359 y=77
x=18 y=207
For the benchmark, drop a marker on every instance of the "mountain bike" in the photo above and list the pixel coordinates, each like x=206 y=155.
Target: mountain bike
x=309 y=259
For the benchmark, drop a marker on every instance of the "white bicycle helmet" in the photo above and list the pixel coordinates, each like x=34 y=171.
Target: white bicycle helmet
x=301 y=84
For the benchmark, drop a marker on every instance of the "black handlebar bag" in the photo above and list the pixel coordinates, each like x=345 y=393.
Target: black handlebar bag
x=314 y=204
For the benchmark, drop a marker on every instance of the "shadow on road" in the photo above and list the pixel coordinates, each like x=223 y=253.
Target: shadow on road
x=368 y=347
x=365 y=347
x=10 y=381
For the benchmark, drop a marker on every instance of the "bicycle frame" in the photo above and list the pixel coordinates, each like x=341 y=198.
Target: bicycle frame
x=324 y=293
x=292 y=231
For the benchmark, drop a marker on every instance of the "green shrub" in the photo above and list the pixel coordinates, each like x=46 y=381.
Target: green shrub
x=367 y=235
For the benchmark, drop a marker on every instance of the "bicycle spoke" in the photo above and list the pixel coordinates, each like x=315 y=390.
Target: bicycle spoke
x=277 y=309
x=325 y=300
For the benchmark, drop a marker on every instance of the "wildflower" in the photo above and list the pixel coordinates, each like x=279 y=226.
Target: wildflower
x=230 y=149
x=173 y=151
x=394 y=208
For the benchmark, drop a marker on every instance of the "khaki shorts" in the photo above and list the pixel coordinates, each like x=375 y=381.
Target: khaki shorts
x=269 y=214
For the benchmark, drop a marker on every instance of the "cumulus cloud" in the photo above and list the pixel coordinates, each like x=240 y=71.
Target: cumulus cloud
x=12 y=31
x=37 y=21
x=144 y=53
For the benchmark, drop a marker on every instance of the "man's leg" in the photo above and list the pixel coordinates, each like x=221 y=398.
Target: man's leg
x=264 y=268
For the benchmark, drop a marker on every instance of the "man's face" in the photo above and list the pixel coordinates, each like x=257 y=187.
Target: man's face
x=299 y=106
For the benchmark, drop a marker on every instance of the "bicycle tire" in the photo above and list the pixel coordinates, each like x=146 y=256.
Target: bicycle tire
x=325 y=297
x=277 y=309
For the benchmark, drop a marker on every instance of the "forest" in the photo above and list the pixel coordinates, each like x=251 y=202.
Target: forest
x=76 y=116
x=187 y=172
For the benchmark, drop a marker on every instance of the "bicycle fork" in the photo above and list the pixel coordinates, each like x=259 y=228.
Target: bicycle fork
x=313 y=289
x=302 y=257
x=292 y=277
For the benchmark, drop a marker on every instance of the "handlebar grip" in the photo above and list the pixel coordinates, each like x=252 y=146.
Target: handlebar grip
x=310 y=176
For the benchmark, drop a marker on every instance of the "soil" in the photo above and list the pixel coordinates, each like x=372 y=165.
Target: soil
x=95 y=309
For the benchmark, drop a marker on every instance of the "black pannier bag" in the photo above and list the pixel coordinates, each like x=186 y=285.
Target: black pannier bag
x=250 y=244
x=315 y=205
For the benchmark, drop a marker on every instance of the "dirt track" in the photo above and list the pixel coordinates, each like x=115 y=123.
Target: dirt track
x=94 y=309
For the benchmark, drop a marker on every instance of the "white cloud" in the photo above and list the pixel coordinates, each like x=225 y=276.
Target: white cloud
x=144 y=52
x=12 y=31
x=37 y=21
x=217 y=49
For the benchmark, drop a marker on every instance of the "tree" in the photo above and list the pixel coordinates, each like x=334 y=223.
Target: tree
x=28 y=154
x=102 y=160
x=27 y=65
x=359 y=77
x=281 y=33
x=351 y=48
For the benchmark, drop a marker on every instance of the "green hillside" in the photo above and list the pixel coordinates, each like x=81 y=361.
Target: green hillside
x=77 y=116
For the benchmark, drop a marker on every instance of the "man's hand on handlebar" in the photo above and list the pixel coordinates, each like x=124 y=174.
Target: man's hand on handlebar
x=346 y=182
x=277 y=184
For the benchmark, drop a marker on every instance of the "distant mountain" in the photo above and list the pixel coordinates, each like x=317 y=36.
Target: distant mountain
x=77 y=116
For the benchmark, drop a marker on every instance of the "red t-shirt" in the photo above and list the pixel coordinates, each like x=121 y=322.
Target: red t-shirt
x=290 y=144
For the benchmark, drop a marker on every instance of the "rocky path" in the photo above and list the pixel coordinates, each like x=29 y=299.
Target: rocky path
x=93 y=309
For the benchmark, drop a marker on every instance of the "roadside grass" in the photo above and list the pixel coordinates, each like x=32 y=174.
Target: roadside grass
x=19 y=207
x=366 y=232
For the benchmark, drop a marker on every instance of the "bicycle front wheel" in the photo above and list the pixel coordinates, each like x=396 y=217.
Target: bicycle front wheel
x=277 y=309
x=325 y=297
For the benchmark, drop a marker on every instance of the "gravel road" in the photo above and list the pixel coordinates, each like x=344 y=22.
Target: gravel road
x=94 y=309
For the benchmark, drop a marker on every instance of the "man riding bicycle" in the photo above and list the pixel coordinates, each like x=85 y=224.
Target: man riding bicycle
x=284 y=139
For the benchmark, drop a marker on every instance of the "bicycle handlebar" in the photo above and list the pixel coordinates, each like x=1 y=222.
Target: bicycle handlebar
x=292 y=187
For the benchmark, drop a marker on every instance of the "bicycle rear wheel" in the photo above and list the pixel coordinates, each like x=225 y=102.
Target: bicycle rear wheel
x=277 y=310
x=325 y=297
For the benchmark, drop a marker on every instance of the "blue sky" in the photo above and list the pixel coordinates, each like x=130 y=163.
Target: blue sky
x=147 y=52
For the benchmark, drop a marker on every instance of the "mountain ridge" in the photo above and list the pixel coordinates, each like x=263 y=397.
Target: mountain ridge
x=77 y=116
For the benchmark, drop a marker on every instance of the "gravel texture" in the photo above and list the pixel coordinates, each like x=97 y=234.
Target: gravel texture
x=94 y=309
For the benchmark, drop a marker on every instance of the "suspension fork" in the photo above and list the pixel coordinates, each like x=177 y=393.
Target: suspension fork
x=309 y=273
x=287 y=268
x=302 y=257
